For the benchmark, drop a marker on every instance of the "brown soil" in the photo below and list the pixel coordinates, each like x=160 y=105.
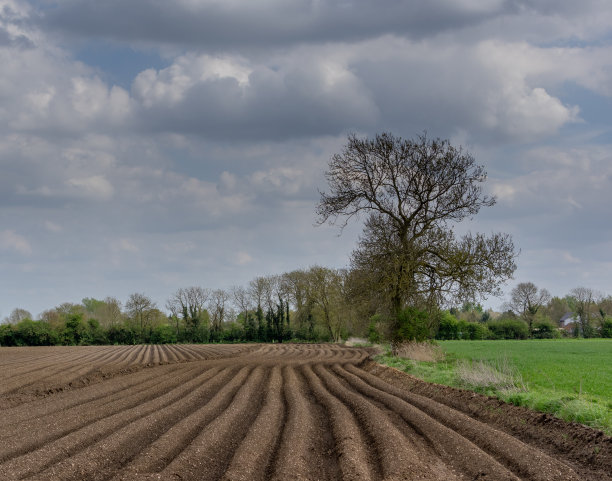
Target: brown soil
x=258 y=412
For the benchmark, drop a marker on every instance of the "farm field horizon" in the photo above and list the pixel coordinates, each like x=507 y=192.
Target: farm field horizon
x=266 y=411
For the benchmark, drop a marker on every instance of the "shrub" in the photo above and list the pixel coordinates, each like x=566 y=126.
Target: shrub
x=35 y=333
x=7 y=335
x=606 y=328
x=373 y=334
x=473 y=331
x=508 y=329
x=96 y=334
x=163 y=334
x=545 y=329
x=448 y=328
x=121 y=335
x=412 y=325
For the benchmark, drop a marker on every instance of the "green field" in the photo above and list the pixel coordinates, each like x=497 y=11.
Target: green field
x=571 y=378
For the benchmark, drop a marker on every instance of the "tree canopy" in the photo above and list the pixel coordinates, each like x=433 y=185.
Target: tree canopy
x=413 y=192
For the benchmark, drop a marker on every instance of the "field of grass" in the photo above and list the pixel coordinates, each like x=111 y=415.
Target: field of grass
x=571 y=378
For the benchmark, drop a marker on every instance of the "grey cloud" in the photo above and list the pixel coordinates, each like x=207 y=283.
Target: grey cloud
x=226 y=25
x=387 y=83
x=274 y=104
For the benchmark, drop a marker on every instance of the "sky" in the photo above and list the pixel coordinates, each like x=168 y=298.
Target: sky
x=151 y=145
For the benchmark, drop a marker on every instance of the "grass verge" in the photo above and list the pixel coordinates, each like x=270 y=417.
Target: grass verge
x=566 y=379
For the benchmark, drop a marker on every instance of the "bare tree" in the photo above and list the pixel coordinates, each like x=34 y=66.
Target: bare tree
x=140 y=308
x=188 y=304
x=242 y=299
x=264 y=291
x=327 y=289
x=272 y=291
x=582 y=301
x=526 y=300
x=17 y=315
x=411 y=192
x=218 y=309
x=297 y=288
x=257 y=291
x=108 y=313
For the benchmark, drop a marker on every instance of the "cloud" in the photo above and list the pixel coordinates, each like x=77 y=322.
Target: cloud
x=285 y=180
x=10 y=240
x=498 y=90
x=95 y=186
x=234 y=24
x=52 y=226
x=485 y=88
x=242 y=258
x=125 y=245
x=227 y=97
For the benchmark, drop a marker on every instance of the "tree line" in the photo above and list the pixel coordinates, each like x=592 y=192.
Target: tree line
x=317 y=304
x=407 y=271
x=310 y=305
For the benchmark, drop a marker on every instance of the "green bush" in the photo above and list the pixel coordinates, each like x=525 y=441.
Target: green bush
x=448 y=328
x=412 y=325
x=545 y=329
x=163 y=334
x=373 y=334
x=96 y=334
x=474 y=331
x=606 y=328
x=35 y=333
x=7 y=335
x=121 y=335
x=508 y=329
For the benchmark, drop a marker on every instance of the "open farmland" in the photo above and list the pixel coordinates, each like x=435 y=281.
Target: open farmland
x=570 y=378
x=255 y=412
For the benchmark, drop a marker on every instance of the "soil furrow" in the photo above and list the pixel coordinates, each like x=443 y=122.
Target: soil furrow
x=307 y=448
x=523 y=460
x=454 y=449
x=351 y=446
x=255 y=454
x=398 y=457
x=208 y=455
x=46 y=429
x=178 y=437
x=63 y=450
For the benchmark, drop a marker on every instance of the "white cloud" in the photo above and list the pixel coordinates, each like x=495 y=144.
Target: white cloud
x=568 y=257
x=228 y=180
x=287 y=180
x=125 y=245
x=52 y=226
x=171 y=85
x=10 y=240
x=96 y=186
x=242 y=258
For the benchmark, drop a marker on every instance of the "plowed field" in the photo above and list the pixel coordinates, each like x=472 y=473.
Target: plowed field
x=258 y=412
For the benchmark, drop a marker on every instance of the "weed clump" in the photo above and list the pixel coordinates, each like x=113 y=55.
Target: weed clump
x=418 y=351
x=485 y=375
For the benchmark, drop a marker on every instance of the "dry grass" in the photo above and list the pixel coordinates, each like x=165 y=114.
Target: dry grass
x=418 y=351
x=499 y=375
